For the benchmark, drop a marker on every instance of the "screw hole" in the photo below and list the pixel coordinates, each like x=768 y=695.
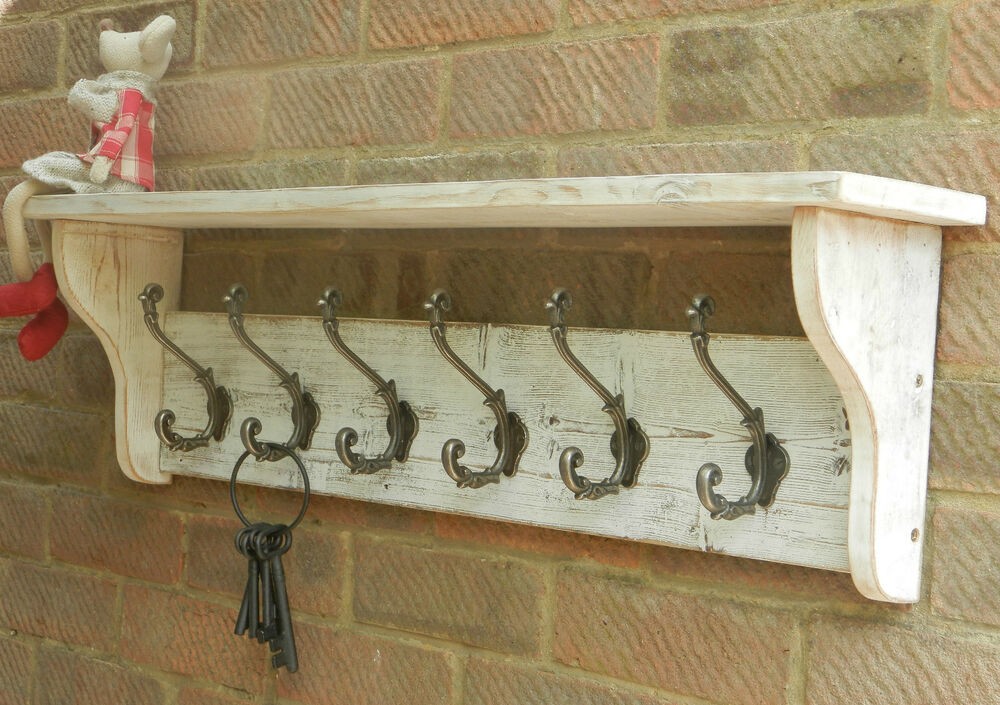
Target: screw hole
x=915 y=535
x=920 y=380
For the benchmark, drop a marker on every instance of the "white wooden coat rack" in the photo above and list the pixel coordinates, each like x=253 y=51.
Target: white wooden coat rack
x=865 y=265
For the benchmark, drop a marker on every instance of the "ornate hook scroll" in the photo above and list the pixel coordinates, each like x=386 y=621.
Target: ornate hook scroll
x=305 y=411
x=510 y=435
x=766 y=461
x=401 y=422
x=629 y=443
x=220 y=405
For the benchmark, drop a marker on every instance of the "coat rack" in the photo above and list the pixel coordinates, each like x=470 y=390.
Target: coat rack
x=865 y=267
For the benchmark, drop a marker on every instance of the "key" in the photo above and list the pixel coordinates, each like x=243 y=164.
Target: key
x=263 y=543
x=249 y=615
x=282 y=645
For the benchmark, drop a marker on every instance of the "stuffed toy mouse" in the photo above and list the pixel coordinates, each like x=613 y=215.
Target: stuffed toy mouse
x=120 y=105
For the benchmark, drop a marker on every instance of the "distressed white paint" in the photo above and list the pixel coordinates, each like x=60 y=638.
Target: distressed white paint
x=100 y=272
x=662 y=200
x=866 y=290
x=688 y=419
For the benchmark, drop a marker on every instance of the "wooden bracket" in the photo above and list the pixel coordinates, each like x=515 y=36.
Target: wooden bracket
x=101 y=269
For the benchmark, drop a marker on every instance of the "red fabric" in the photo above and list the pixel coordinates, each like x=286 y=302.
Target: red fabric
x=37 y=297
x=127 y=140
x=42 y=332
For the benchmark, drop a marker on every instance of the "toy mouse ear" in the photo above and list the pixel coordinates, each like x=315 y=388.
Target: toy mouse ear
x=106 y=24
x=156 y=37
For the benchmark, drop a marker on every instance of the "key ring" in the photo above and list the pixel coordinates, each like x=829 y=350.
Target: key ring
x=280 y=447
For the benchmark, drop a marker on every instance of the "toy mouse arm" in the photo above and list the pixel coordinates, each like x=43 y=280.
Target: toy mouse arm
x=108 y=149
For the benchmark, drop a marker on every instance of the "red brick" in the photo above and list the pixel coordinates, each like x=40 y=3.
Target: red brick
x=191 y=637
x=289 y=29
x=586 y=12
x=738 y=282
x=343 y=668
x=78 y=362
x=682 y=643
x=56 y=444
x=82 y=60
x=492 y=284
x=556 y=89
x=15 y=6
x=212 y=562
x=697 y=157
x=854 y=662
x=290 y=173
x=315 y=572
x=960 y=451
x=969 y=319
x=124 y=538
x=974 y=81
x=967 y=161
x=485 y=602
x=58 y=604
x=313 y=567
x=745 y=576
x=33 y=127
x=69 y=678
x=860 y=63
x=295 y=277
x=24 y=520
x=206 y=277
x=467 y=166
x=347 y=512
x=218 y=116
x=193 y=696
x=498 y=683
x=389 y=103
x=564 y=544
x=966 y=565
x=29 y=54
x=17 y=660
x=432 y=22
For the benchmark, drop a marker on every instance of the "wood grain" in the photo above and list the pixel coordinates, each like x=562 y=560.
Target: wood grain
x=688 y=420
x=867 y=292
x=616 y=201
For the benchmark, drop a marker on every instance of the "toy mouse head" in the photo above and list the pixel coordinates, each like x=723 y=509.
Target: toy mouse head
x=147 y=52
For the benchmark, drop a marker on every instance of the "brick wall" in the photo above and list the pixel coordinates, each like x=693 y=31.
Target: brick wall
x=112 y=591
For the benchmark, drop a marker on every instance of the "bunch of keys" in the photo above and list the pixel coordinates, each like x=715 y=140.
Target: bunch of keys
x=264 y=612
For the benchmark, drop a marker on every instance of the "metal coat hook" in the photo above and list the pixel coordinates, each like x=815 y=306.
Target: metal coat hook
x=510 y=435
x=766 y=461
x=305 y=411
x=401 y=422
x=219 y=404
x=629 y=443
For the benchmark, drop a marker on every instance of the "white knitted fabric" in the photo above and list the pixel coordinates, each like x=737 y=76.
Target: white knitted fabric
x=99 y=101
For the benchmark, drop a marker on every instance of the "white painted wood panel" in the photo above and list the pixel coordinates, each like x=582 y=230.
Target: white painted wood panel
x=660 y=200
x=688 y=420
x=867 y=292
x=101 y=271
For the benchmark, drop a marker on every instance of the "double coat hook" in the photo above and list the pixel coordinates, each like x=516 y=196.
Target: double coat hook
x=305 y=411
x=629 y=443
x=220 y=406
x=401 y=423
x=766 y=460
x=510 y=435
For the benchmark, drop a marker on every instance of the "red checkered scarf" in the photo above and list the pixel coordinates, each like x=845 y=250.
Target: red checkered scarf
x=126 y=139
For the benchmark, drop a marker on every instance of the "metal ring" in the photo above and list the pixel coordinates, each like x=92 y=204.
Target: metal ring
x=285 y=450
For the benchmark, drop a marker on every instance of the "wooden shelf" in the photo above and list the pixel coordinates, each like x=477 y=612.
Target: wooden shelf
x=865 y=267
x=615 y=201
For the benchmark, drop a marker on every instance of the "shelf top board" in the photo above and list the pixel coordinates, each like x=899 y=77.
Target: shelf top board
x=661 y=200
